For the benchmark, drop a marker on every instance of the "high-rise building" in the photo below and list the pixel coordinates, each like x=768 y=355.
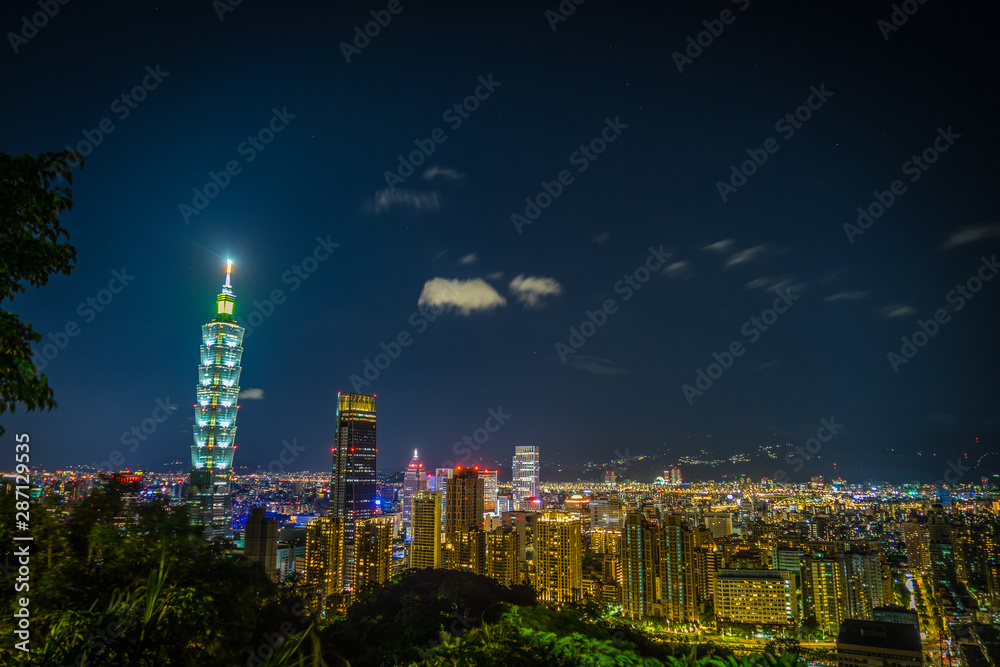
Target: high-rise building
x=865 y=584
x=606 y=514
x=526 y=473
x=558 y=557
x=489 y=489
x=261 y=540
x=210 y=498
x=720 y=524
x=414 y=480
x=678 y=570
x=639 y=556
x=465 y=536
x=424 y=548
x=503 y=554
x=878 y=644
x=756 y=597
x=441 y=477
x=352 y=479
x=373 y=553
x=324 y=551
x=824 y=592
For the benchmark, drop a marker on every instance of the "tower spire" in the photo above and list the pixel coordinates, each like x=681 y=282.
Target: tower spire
x=229 y=271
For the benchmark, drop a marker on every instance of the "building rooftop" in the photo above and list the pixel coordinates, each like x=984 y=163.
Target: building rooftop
x=879 y=634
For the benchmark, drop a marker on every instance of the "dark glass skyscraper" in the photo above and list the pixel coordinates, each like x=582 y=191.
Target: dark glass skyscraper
x=352 y=480
x=210 y=496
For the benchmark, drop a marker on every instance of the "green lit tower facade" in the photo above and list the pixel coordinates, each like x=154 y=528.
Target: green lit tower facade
x=210 y=498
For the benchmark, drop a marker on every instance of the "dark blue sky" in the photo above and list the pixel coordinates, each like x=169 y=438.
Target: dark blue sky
x=494 y=346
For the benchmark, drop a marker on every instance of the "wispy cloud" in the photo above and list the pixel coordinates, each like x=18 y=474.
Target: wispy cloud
x=449 y=174
x=832 y=276
x=721 y=246
x=786 y=282
x=530 y=290
x=595 y=365
x=677 y=268
x=767 y=364
x=748 y=255
x=496 y=275
x=972 y=234
x=898 y=311
x=251 y=394
x=463 y=296
x=602 y=237
x=471 y=258
x=387 y=199
x=848 y=296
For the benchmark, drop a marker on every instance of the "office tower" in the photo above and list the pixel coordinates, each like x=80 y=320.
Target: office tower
x=558 y=558
x=352 y=479
x=610 y=477
x=210 y=498
x=824 y=592
x=465 y=537
x=324 y=553
x=678 y=574
x=638 y=566
x=261 y=540
x=878 y=644
x=441 y=477
x=675 y=476
x=489 y=490
x=424 y=548
x=526 y=462
x=372 y=553
x=605 y=542
x=756 y=597
x=503 y=550
x=606 y=514
x=896 y=614
x=916 y=536
x=414 y=479
x=720 y=524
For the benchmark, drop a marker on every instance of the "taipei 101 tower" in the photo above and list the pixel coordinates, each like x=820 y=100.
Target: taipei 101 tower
x=210 y=499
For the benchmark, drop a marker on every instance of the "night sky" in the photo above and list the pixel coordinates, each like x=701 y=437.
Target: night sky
x=362 y=257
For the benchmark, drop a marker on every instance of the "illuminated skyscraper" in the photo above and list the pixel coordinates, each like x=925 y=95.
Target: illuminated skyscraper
x=352 y=480
x=503 y=552
x=639 y=556
x=465 y=537
x=424 y=549
x=558 y=558
x=414 y=479
x=526 y=462
x=324 y=549
x=373 y=552
x=756 y=597
x=678 y=570
x=489 y=489
x=210 y=498
x=824 y=591
x=441 y=477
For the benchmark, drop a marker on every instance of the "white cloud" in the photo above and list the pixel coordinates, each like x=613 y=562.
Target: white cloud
x=471 y=258
x=748 y=255
x=595 y=365
x=721 y=246
x=496 y=275
x=971 y=234
x=530 y=290
x=677 y=268
x=450 y=174
x=848 y=296
x=898 y=311
x=464 y=296
x=252 y=394
x=386 y=199
x=602 y=237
